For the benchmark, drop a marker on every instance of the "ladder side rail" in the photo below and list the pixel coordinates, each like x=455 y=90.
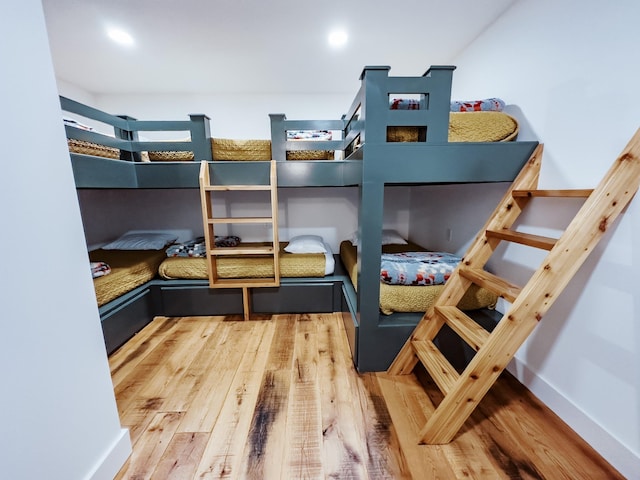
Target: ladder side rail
x=209 y=233
x=274 y=221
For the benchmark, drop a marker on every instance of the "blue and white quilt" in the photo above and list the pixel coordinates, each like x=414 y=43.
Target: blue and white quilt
x=417 y=268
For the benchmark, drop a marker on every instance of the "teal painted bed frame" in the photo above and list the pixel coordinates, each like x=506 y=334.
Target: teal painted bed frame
x=370 y=162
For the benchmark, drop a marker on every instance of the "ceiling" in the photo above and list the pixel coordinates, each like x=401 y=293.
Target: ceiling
x=255 y=46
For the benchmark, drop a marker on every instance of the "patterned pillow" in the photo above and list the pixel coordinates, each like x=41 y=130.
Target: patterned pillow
x=486 y=105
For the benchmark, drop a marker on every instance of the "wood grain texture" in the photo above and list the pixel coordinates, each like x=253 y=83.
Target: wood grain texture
x=303 y=457
x=463 y=393
x=281 y=399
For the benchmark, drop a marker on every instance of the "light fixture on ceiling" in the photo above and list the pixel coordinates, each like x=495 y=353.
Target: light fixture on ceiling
x=120 y=36
x=338 y=38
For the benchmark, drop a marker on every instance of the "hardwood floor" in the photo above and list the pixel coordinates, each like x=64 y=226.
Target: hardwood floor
x=279 y=398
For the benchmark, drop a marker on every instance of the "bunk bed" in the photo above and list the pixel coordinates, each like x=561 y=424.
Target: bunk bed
x=367 y=157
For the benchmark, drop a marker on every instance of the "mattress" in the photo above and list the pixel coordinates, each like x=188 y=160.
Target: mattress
x=129 y=269
x=409 y=298
x=258 y=266
x=465 y=127
x=90 y=148
x=482 y=127
x=223 y=149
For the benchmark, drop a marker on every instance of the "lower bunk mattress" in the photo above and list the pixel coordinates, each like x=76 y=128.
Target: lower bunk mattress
x=411 y=298
x=128 y=269
x=292 y=265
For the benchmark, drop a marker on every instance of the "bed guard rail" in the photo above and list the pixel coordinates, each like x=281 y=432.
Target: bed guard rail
x=385 y=103
x=126 y=132
x=379 y=109
x=280 y=144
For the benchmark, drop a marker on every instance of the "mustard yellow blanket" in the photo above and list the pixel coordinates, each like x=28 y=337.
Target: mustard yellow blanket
x=291 y=265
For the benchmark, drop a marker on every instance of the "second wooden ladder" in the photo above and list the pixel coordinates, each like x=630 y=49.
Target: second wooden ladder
x=270 y=249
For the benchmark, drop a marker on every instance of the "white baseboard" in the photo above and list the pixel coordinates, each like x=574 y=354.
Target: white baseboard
x=617 y=454
x=114 y=459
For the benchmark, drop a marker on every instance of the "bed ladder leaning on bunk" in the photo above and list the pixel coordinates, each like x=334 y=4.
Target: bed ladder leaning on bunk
x=462 y=392
x=209 y=219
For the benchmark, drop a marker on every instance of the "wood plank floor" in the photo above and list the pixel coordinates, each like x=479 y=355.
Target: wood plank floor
x=279 y=398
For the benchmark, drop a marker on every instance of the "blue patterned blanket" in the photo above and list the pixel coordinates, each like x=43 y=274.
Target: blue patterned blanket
x=417 y=268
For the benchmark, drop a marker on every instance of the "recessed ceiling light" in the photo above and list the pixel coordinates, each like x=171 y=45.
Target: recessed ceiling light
x=338 y=38
x=120 y=36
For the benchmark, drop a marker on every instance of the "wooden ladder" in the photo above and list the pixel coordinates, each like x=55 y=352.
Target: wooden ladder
x=462 y=392
x=272 y=248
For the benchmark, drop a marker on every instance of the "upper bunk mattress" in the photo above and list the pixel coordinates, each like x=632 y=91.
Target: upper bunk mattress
x=411 y=298
x=89 y=148
x=482 y=127
x=466 y=127
x=129 y=269
x=463 y=127
x=291 y=265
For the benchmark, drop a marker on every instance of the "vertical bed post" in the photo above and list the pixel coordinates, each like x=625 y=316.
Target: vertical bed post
x=278 y=137
x=439 y=102
x=130 y=136
x=200 y=137
x=368 y=293
x=371 y=213
x=434 y=87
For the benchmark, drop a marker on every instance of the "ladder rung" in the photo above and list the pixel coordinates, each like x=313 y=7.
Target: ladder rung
x=241 y=220
x=258 y=250
x=436 y=364
x=465 y=326
x=487 y=280
x=228 y=188
x=271 y=249
x=537 y=241
x=244 y=282
x=579 y=193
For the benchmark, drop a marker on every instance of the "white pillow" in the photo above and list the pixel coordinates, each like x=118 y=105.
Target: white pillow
x=388 y=237
x=306 y=244
x=141 y=241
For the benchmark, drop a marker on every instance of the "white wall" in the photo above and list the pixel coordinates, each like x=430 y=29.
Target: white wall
x=334 y=217
x=76 y=93
x=58 y=413
x=238 y=116
x=572 y=69
x=232 y=115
